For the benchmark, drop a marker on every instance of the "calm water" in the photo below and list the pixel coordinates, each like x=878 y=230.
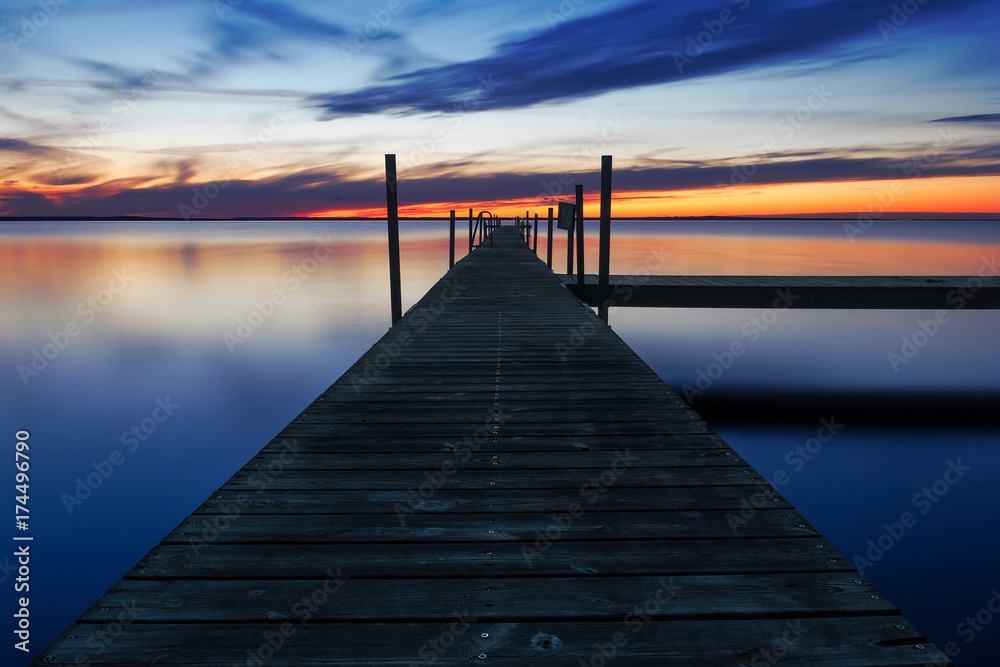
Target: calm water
x=130 y=323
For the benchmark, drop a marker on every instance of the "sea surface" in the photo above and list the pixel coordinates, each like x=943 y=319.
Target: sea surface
x=187 y=346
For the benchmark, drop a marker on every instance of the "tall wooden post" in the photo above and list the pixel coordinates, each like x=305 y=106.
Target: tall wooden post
x=392 y=213
x=471 y=233
x=451 y=241
x=579 y=236
x=569 y=251
x=548 y=251
x=604 y=259
x=535 y=248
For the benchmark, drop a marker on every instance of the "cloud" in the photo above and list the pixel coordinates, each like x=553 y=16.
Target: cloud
x=644 y=43
x=252 y=30
x=283 y=15
x=25 y=148
x=24 y=203
x=977 y=118
x=310 y=191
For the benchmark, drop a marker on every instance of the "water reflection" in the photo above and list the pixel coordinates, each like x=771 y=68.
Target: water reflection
x=152 y=304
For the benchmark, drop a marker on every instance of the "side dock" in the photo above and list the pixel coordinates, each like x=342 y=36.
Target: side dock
x=499 y=480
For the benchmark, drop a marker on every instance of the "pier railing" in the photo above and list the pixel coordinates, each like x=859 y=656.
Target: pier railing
x=483 y=225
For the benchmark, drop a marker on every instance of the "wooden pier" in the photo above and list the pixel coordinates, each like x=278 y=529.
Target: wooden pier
x=500 y=480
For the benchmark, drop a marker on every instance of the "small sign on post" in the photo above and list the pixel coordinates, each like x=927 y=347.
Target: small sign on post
x=567 y=214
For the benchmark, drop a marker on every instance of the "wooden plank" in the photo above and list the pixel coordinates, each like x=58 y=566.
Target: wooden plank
x=313 y=460
x=498 y=501
x=537 y=430
x=460 y=640
x=621 y=475
x=541 y=557
x=423 y=527
x=502 y=442
x=382 y=418
x=788 y=595
x=880 y=292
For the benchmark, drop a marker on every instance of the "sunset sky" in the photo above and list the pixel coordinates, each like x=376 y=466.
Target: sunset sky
x=224 y=108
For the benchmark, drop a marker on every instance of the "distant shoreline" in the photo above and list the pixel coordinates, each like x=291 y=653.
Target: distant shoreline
x=959 y=217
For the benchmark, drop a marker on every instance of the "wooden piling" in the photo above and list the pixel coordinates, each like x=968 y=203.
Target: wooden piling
x=451 y=241
x=579 y=236
x=604 y=257
x=548 y=249
x=392 y=214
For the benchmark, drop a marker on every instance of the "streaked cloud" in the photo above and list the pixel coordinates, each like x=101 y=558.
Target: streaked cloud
x=644 y=43
x=24 y=147
x=975 y=118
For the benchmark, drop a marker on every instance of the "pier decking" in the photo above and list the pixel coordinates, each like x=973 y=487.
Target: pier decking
x=919 y=292
x=499 y=480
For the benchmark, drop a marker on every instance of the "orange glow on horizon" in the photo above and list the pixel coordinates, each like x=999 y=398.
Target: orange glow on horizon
x=944 y=195
x=980 y=194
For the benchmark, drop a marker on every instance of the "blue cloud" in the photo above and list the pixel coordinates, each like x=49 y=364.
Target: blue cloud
x=24 y=147
x=975 y=118
x=645 y=43
x=304 y=192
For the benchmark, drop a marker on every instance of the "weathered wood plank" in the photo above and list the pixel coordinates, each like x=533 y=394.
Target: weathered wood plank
x=543 y=556
x=883 y=292
x=423 y=527
x=788 y=595
x=499 y=443
x=537 y=430
x=621 y=474
x=818 y=642
x=498 y=501
x=278 y=459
